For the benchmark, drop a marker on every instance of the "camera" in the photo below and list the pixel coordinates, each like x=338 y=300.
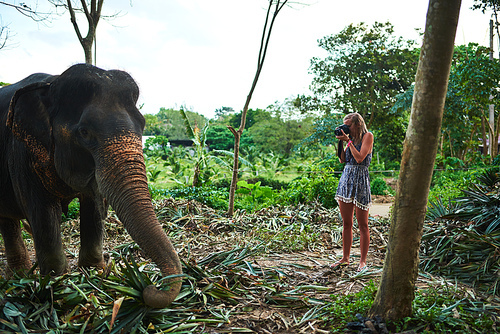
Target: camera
x=338 y=130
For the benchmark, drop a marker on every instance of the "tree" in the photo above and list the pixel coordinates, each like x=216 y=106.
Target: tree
x=364 y=71
x=223 y=112
x=396 y=291
x=153 y=125
x=92 y=12
x=285 y=134
x=266 y=34
x=473 y=82
x=26 y=10
x=170 y=123
x=366 y=68
x=218 y=138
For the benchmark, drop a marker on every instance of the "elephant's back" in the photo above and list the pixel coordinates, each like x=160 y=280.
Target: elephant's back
x=7 y=92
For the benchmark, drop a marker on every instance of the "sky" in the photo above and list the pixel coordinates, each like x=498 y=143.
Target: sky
x=202 y=54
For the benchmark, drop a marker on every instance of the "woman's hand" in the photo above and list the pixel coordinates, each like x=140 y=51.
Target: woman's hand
x=344 y=137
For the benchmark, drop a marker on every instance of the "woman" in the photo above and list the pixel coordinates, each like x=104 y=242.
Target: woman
x=353 y=192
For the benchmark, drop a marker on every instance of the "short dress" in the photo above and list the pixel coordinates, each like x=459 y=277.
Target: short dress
x=354 y=184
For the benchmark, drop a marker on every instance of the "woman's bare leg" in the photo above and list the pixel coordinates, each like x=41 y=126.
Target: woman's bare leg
x=364 y=231
x=347 y=213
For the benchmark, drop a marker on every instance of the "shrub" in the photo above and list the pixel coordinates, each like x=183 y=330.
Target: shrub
x=318 y=186
x=448 y=184
x=379 y=187
x=216 y=198
x=268 y=182
x=73 y=210
x=342 y=307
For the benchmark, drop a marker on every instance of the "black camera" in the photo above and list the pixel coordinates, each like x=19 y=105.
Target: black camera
x=338 y=130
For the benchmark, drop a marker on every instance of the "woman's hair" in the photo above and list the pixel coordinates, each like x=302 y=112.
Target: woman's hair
x=358 y=120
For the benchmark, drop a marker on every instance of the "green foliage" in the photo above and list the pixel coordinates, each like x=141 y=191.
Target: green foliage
x=253 y=195
x=154 y=127
x=269 y=182
x=157 y=146
x=436 y=309
x=73 y=210
x=447 y=309
x=448 y=184
x=480 y=203
x=341 y=308
x=253 y=116
x=220 y=138
x=216 y=198
x=170 y=123
x=323 y=128
x=319 y=185
x=474 y=77
x=364 y=70
x=485 y=5
x=379 y=187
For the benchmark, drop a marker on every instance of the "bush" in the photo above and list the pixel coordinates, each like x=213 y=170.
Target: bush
x=267 y=182
x=318 y=186
x=216 y=198
x=73 y=210
x=379 y=187
x=341 y=309
x=448 y=184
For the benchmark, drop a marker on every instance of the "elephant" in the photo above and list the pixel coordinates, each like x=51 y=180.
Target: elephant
x=77 y=135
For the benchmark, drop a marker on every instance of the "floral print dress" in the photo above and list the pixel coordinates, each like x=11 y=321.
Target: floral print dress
x=354 y=184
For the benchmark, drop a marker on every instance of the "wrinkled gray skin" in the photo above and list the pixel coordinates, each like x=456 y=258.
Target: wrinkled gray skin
x=77 y=135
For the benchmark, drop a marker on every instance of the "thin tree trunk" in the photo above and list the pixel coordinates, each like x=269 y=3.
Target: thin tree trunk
x=93 y=17
x=264 y=42
x=483 y=136
x=396 y=291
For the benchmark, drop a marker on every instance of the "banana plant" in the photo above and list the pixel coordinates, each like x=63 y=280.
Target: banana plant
x=203 y=156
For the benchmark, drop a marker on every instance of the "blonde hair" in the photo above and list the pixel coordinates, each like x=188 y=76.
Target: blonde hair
x=358 y=120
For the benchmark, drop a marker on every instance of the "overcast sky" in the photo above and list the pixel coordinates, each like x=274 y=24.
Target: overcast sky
x=203 y=53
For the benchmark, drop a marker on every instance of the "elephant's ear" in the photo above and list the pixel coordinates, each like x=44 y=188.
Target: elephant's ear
x=29 y=120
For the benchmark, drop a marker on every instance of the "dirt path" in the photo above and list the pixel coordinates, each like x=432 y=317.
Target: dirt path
x=381 y=206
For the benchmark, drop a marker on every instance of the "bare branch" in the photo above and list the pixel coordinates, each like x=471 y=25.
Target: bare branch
x=4 y=35
x=27 y=11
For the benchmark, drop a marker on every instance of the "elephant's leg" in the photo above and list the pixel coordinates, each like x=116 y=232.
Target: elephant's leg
x=45 y=221
x=17 y=255
x=92 y=215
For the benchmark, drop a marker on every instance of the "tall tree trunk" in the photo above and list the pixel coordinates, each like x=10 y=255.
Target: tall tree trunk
x=396 y=291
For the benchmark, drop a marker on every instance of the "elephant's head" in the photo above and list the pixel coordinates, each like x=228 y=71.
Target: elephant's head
x=84 y=130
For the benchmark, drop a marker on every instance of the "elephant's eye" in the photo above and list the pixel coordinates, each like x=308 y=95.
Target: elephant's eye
x=83 y=132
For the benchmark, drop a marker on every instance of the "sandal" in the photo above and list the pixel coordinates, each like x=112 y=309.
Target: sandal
x=339 y=264
x=363 y=268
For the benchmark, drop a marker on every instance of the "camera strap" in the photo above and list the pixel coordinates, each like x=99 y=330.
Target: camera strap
x=340 y=148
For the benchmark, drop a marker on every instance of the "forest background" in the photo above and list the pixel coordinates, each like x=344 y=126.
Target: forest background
x=368 y=70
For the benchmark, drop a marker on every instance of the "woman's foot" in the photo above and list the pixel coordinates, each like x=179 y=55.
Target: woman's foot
x=339 y=264
x=362 y=267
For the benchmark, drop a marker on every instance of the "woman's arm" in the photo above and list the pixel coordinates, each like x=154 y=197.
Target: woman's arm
x=366 y=148
x=342 y=151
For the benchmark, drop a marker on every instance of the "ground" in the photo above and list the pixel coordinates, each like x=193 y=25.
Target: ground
x=302 y=268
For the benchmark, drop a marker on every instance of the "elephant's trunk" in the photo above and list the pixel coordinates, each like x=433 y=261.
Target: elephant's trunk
x=121 y=176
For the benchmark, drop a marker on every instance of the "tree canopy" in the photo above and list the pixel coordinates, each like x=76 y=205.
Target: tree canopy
x=366 y=68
